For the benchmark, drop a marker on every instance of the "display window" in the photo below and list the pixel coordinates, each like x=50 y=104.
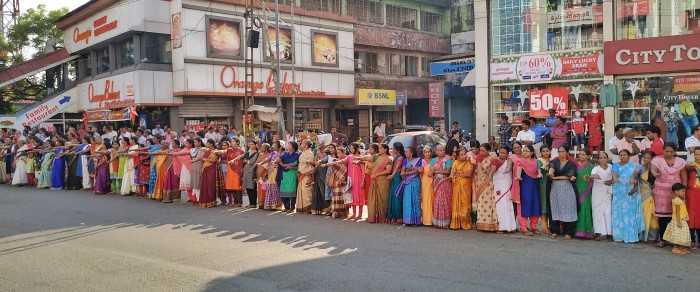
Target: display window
x=670 y=102
x=520 y=102
x=530 y=26
x=637 y=19
x=309 y=119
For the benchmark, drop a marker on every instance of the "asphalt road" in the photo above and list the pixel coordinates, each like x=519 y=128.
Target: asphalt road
x=77 y=241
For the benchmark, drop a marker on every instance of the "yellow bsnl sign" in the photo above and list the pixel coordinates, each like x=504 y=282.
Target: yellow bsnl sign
x=367 y=96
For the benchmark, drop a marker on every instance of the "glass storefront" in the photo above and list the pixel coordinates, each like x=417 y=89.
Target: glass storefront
x=636 y=19
x=529 y=26
x=668 y=101
x=514 y=101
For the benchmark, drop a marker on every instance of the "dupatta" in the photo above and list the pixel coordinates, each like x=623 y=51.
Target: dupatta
x=530 y=168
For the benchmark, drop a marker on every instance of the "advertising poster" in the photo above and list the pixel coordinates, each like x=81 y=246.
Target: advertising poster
x=547 y=67
x=286 y=44
x=541 y=101
x=223 y=38
x=324 y=48
x=366 y=96
x=687 y=83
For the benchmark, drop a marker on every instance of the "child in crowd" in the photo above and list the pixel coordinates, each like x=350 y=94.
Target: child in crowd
x=677 y=231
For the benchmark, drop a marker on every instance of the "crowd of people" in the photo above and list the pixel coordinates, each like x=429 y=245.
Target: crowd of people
x=648 y=196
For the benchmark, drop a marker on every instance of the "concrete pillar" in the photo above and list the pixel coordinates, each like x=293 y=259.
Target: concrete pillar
x=609 y=35
x=138 y=52
x=482 y=104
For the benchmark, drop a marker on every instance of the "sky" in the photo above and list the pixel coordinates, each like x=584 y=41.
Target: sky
x=51 y=4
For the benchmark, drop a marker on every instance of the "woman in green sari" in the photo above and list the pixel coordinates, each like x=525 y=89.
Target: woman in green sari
x=584 y=186
x=46 y=166
x=545 y=186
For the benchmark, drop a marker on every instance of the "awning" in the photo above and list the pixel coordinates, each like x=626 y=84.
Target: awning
x=266 y=114
x=34 y=66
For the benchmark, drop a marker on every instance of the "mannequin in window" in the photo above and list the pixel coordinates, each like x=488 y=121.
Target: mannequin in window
x=657 y=119
x=578 y=128
x=595 y=125
x=671 y=118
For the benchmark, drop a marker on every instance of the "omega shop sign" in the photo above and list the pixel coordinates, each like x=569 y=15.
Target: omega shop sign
x=653 y=55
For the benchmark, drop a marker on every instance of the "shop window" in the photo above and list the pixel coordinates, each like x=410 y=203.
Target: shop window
x=522 y=27
x=310 y=119
x=462 y=16
x=399 y=16
x=431 y=22
x=84 y=65
x=125 y=53
x=365 y=10
x=642 y=19
x=103 y=60
x=514 y=101
x=670 y=102
x=156 y=48
x=332 y=6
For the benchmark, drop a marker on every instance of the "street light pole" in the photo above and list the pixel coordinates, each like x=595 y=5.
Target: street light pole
x=278 y=94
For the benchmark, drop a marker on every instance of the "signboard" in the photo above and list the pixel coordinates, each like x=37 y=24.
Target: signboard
x=627 y=9
x=230 y=78
x=541 y=101
x=436 y=100
x=401 y=97
x=452 y=66
x=109 y=115
x=39 y=113
x=576 y=15
x=376 y=97
x=546 y=67
x=686 y=83
x=661 y=54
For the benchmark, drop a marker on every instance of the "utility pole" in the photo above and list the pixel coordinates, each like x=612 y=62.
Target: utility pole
x=278 y=95
x=249 y=97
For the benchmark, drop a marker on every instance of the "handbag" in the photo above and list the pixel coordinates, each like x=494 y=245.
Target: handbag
x=347 y=194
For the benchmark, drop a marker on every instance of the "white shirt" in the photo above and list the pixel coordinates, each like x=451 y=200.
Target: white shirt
x=155 y=132
x=209 y=135
x=691 y=142
x=612 y=144
x=528 y=135
x=379 y=131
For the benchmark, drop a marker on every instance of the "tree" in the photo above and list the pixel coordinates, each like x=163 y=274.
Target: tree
x=29 y=36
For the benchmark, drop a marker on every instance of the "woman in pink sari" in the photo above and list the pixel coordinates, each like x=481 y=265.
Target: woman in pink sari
x=185 y=160
x=356 y=175
x=440 y=169
x=668 y=170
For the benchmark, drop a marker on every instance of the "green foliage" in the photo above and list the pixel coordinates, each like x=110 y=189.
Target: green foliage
x=34 y=27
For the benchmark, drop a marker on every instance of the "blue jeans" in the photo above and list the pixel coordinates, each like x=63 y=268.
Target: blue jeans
x=688 y=123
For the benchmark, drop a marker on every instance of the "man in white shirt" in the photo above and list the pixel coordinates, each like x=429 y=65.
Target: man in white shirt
x=612 y=144
x=379 y=131
x=141 y=138
x=692 y=142
x=526 y=136
x=210 y=134
x=157 y=131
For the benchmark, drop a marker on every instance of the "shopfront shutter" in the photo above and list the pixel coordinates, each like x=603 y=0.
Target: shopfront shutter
x=200 y=107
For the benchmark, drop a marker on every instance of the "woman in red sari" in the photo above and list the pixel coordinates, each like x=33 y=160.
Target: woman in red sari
x=173 y=168
x=212 y=184
x=692 y=198
x=440 y=169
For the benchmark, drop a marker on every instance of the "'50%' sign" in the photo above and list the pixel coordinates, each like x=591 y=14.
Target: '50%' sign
x=541 y=101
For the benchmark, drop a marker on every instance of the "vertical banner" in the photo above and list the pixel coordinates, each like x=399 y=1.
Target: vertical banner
x=142 y=120
x=436 y=100
x=401 y=97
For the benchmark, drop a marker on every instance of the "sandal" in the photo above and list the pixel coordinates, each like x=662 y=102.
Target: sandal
x=694 y=247
x=567 y=237
x=596 y=238
x=527 y=232
x=537 y=231
x=661 y=244
x=553 y=236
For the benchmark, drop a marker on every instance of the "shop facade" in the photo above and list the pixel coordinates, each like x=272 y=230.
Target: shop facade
x=210 y=74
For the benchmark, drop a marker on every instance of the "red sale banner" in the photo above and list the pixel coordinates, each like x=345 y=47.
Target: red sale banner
x=541 y=101
x=580 y=65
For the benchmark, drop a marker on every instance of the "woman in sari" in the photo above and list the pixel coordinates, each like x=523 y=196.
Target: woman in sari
x=58 y=170
x=462 y=172
x=261 y=173
x=273 y=201
x=83 y=163
x=668 y=170
x=184 y=159
x=563 y=203
x=114 y=168
x=394 y=214
x=321 y=175
x=91 y=161
x=211 y=186
x=173 y=168
x=486 y=216
x=502 y=183
x=46 y=166
x=627 y=220
x=377 y=203
x=584 y=186
x=144 y=169
x=426 y=186
x=526 y=191
x=196 y=155
x=287 y=176
x=73 y=181
x=356 y=186
x=367 y=168
x=545 y=186
x=338 y=180
x=101 y=158
x=305 y=167
x=601 y=198
x=129 y=186
x=413 y=166
x=19 y=164
x=155 y=183
x=234 y=174
x=646 y=181
x=441 y=167
x=328 y=194
x=692 y=198
x=250 y=160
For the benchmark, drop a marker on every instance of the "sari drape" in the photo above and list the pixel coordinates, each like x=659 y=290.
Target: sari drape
x=627 y=219
x=584 y=224
x=287 y=178
x=272 y=189
x=234 y=174
x=442 y=184
x=160 y=168
x=319 y=188
x=58 y=171
x=338 y=181
x=129 y=178
x=102 y=183
x=304 y=189
x=44 y=181
x=692 y=198
x=171 y=184
x=668 y=175
x=411 y=193
x=462 y=196
x=427 y=194
x=651 y=222
x=377 y=202
x=73 y=181
x=211 y=186
x=502 y=185
x=395 y=209
x=357 y=187
x=486 y=216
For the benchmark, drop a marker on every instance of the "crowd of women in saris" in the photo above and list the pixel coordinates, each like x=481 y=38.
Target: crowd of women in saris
x=492 y=190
